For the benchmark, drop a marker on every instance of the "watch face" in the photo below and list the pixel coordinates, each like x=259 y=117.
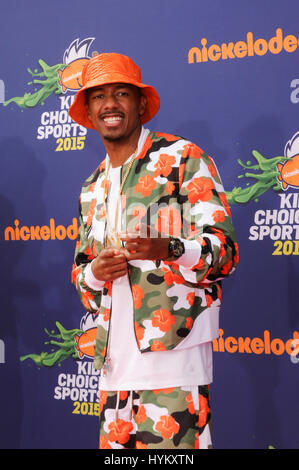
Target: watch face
x=177 y=248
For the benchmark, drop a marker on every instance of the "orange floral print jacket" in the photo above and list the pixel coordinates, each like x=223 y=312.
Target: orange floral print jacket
x=174 y=186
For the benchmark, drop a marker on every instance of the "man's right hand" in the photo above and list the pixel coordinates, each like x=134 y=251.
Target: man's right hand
x=109 y=265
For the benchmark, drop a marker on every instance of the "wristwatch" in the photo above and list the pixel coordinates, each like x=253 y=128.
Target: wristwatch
x=176 y=249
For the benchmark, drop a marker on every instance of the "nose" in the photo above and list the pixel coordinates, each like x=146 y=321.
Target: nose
x=110 y=102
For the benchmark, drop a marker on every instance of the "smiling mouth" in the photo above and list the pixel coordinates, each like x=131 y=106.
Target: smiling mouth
x=112 y=120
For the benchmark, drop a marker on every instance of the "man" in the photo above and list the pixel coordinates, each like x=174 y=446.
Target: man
x=156 y=238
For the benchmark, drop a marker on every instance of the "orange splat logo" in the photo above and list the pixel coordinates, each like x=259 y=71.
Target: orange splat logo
x=289 y=170
x=75 y=58
x=289 y=173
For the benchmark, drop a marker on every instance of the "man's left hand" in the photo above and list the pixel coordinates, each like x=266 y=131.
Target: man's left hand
x=144 y=243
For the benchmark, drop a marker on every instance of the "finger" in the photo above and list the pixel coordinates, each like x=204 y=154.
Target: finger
x=114 y=266
x=113 y=261
x=109 y=252
x=112 y=270
x=120 y=257
x=115 y=275
x=131 y=256
x=132 y=246
x=108 y=264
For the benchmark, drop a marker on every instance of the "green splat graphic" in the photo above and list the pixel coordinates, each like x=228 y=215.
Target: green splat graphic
x=48 y=79
x=266 y=179
x=65 y=342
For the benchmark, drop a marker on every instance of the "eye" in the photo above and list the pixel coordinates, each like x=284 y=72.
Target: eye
x=122 y=93
x=98 y=96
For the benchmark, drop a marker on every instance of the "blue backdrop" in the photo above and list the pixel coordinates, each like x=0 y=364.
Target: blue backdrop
x=228 y=77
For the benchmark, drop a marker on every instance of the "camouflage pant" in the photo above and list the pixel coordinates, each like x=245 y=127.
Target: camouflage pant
x=172 y=418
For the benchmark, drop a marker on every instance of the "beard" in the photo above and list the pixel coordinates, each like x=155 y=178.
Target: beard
x=111 y=138
x=122 y=136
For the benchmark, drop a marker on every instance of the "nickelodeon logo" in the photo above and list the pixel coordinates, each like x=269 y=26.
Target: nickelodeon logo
x=258 y=346
x=74 y=58
x=241 y=49
x=44 y=232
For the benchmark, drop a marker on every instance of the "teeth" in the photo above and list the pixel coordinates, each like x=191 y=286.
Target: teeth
x=112 y=119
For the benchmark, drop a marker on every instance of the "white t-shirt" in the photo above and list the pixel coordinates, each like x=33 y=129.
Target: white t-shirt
x=129 y=368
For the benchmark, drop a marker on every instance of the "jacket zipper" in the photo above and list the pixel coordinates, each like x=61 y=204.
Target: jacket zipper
x=133 y=312
x=107 y=358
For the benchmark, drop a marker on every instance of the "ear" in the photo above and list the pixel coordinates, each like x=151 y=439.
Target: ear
x=88 y=113
x=87 y=109
x=142 y=105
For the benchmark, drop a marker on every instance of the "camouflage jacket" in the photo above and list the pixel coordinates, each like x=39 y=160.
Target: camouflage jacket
x=174 y=186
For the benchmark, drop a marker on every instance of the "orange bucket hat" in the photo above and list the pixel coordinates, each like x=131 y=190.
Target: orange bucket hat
x=107 y=68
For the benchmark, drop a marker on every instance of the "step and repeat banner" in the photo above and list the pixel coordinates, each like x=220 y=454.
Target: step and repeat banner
x=228 y=77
